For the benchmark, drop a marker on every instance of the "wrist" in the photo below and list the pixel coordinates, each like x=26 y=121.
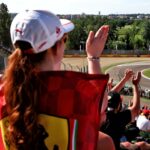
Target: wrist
x=136 y=86
x=93 y=58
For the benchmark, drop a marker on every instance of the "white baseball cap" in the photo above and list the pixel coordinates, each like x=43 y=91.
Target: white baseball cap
x=42 y=29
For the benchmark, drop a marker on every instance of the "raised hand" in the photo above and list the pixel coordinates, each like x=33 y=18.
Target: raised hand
x=128 y=74
x=96 y=41
x=136 y=79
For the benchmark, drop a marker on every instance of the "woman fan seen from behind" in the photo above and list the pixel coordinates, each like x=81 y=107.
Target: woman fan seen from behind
x=33 y=84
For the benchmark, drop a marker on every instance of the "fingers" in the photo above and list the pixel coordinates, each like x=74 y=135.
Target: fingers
x=95 y=42
x=128 y=74
x=99 y=32
x=102 y=31
x=139 y=76
x=129 y=71
x=136 y=79
x=90 y=37
x=105 y=33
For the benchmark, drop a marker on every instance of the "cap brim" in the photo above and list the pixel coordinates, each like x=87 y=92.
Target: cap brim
x=67 y=25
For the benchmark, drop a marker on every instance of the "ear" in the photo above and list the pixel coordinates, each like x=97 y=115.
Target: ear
x=58 y=44
x=55 y=48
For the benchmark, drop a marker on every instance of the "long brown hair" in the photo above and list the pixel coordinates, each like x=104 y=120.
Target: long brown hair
x=22 y=90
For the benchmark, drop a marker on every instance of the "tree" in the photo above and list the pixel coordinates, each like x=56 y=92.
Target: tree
x=138 y=42
x=78 y=34
x=5 y=21
x=146 y=32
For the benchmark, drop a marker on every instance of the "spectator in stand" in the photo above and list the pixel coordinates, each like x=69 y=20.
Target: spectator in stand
x=136 y=146
x=128 y=74
x=104 y=139
x=143 y=122
x=117 y=120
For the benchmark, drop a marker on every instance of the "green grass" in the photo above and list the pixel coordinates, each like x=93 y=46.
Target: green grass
x=147 y=73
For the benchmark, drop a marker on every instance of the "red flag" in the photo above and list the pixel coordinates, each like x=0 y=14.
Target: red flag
x=77 y=96
x=74 y=96
x=1 y=141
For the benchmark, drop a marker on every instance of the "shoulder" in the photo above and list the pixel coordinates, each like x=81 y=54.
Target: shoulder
x=123 y=118
x=125 y=113
x=103 y=140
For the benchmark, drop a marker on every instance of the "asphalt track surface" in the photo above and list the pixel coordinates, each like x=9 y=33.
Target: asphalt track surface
x=117 y=72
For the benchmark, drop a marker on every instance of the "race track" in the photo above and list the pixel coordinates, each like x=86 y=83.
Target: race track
x=117 y=72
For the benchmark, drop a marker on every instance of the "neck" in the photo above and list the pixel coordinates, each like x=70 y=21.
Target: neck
x=50 y=63
x=49 y=66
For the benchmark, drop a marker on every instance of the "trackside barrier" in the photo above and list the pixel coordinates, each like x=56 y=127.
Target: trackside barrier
x=83 y=69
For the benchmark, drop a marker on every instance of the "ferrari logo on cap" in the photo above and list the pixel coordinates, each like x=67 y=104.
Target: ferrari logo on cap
x=58 y=31
x=17 y=30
